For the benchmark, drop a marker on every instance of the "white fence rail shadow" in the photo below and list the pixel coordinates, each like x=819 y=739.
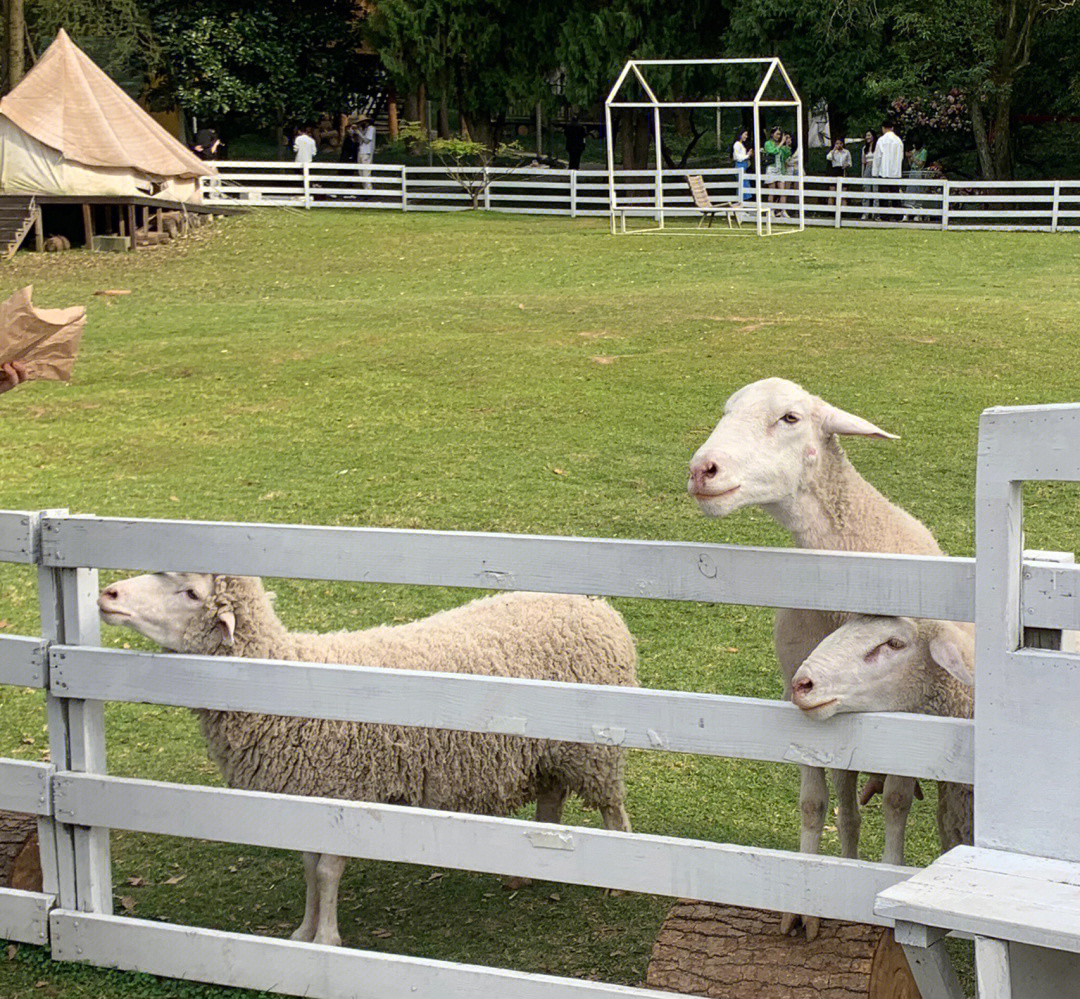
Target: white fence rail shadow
x=910 y=202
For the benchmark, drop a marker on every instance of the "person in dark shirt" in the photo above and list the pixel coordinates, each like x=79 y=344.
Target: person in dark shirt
x=575 y=142
x=350 y=145
x=208 y=145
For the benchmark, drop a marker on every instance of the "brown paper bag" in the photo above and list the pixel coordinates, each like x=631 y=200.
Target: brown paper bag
x=44 y=340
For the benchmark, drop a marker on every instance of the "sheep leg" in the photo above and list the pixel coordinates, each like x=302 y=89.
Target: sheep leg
x=848 y=820
x=615 y=817
x=549 y=804
x=306 y=930
x=813 y=803
x=895 y=805
x=327 y=879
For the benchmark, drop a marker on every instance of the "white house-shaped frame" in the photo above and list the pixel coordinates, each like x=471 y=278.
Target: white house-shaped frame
x=772 y=69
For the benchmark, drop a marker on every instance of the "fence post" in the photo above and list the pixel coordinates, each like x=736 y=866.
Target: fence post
x=487 y=189
x=404 y=188
x=945 y=203
x=573 y=194
x=68 y=600
x=839 y=194
x=1048 y=638
x=307 y=186
x=1056 y=207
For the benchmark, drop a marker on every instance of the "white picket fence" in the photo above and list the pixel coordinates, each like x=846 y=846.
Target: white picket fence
x=1045 y=206
x=1004 y=592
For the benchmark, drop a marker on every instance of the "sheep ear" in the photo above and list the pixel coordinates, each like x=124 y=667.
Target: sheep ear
x=836 y=421
x=227 y=624
x=946 y=653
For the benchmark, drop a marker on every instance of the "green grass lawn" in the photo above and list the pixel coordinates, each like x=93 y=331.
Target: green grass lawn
x=481 y=372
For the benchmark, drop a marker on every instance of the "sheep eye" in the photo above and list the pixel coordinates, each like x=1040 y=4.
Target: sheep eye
x=895 y=643
x=790 y=418
x=192 y=594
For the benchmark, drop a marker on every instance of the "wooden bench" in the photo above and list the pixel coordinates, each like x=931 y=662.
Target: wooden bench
x=999 y=898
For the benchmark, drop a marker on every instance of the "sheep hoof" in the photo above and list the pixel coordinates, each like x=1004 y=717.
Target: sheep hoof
x=791 y=921
x=330 y=939
x=303 y=933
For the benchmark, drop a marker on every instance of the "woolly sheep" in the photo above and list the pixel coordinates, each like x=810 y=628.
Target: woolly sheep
x=897 y=664
x=775 y=447
x=538 y=636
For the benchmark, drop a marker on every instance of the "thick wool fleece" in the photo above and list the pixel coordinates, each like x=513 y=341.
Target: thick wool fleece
x=536 y=636
x=943 y=695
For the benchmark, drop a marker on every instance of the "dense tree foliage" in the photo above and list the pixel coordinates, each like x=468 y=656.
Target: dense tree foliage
x=972 y=71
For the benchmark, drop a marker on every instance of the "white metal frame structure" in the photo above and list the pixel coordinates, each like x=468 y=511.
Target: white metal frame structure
x=771 y=67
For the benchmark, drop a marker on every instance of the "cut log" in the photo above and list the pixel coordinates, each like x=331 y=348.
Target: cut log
x=20 y=861
x=728 y=952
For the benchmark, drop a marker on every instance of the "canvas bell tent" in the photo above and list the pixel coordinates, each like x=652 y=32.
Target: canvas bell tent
x=67 y=129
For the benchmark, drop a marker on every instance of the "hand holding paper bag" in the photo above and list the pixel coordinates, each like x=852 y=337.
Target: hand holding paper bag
x=37 y=343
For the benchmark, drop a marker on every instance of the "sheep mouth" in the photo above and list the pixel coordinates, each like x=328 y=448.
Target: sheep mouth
x=702 y=495
x=113 y=616
x=810 y=708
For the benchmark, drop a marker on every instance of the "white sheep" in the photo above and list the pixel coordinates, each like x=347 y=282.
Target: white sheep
x=532 y=635
x=775 y=447
x=897 y=664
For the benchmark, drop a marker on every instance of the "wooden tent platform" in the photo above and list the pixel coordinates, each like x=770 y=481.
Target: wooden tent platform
x=100 y=213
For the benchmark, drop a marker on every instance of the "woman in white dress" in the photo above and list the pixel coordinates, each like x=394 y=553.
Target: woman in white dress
x=741 y=151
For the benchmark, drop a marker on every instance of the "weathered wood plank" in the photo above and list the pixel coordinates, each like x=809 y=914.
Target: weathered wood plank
x=992 y=966
x=1030 y=443
x=933 y=972
x=23 y=661
x=708 y=724
x=24 y=916
x=720 y=872
x=782 y=577
x=24 y=787
x=18 y=536
x=919 y=586
x=990 y=893
x=311 y=970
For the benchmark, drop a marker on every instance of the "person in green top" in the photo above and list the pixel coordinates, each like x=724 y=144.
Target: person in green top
x=778 y=148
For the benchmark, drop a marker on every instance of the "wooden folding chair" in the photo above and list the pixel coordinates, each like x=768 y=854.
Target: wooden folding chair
x=704 y=203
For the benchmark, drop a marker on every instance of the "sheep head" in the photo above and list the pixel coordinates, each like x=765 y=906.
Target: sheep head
x=882 y=664
x=768 y=443
x=181 y=611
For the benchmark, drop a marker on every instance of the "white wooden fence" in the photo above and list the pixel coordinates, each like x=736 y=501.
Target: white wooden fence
x=1045 y=206
x=78 y=802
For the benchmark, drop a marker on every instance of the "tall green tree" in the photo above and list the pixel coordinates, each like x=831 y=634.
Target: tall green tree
x=982 y=47
x=478 y=56
x=266 y=63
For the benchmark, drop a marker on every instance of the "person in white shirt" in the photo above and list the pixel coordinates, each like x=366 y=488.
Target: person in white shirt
x=889 y=163
x=740 y=155
x=304 y=146
x=839 y=159
x=366 y=152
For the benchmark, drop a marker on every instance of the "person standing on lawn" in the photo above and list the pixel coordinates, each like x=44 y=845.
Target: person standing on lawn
x=889 y=164
x=778 y=152
x=304 y=146
x=741 y=152
x=575 y=142
x=367 y=147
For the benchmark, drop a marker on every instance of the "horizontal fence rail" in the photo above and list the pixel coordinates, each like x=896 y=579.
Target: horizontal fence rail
x=23 y=661
x=25 y=787
x=24 y=916
x=915 y=585
x=303 y=969
x=913 y=201
x=706 y=724
x=18 y=536
x=658 y=865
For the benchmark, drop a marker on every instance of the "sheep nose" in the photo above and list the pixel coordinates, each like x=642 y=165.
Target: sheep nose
x=803 y=686
x=108 y=595
x=701 y=471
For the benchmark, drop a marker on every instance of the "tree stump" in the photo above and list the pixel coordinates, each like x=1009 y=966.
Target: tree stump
x=20 y=861
x=727 y=952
